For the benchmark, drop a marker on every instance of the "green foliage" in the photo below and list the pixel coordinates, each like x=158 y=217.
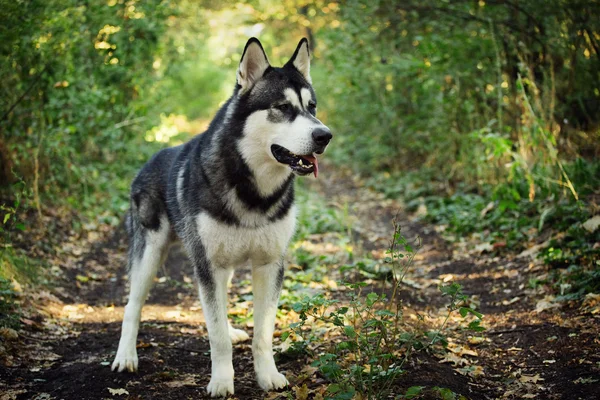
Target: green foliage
x=577 y=281
x=87 y=64
x=369 y=329
x=79 y=87
x=477 y=128
x=314 y=216
x=9 y=212
x=447 y=394
x=372 y=344
x=9 y=309
x=429 y=94
x=504 y=216
x=413 y=392
x=574 y=258
x=501 y=213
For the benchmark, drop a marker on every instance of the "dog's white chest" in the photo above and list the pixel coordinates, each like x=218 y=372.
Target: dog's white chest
x=231 y=246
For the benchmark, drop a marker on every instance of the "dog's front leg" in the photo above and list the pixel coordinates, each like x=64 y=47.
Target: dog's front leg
x=213 y=295
x=266 y=286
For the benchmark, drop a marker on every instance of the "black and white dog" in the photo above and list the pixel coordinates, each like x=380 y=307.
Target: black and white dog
x=228 y=196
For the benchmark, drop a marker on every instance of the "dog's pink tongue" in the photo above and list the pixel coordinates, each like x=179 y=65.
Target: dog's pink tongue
x=314 y=161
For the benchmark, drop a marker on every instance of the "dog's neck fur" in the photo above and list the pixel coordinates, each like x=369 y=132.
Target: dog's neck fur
x=254 y=188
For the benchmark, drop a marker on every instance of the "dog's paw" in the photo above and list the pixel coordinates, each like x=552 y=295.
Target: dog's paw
x=220 y=387
x=126 y=359
x=271 y=380
x=237 y=335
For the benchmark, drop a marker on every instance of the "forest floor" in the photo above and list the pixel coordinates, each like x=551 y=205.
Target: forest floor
x=531 y=348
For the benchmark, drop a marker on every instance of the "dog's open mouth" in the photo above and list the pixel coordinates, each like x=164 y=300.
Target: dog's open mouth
x=300 y=164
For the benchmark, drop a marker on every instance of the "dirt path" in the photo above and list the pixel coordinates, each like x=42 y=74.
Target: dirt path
x=65 y=351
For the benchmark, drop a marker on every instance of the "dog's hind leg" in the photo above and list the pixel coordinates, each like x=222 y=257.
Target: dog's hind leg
x=266 y=287
x=213 y=295
x=148 y=248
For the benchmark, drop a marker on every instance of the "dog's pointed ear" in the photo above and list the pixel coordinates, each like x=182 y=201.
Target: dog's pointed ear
x=253 y=64
x=301 y=59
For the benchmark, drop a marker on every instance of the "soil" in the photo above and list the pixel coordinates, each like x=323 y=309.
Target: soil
x=65 y=349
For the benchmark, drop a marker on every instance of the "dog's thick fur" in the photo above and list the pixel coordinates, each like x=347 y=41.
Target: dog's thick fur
x=228 y=196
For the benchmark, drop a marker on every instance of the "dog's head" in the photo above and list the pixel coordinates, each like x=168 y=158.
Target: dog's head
x=280 y=104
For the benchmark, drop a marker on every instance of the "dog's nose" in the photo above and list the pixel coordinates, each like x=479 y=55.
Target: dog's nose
x=322 y=136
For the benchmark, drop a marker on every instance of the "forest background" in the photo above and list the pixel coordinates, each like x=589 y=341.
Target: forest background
x=481 y=117
x=449 y=105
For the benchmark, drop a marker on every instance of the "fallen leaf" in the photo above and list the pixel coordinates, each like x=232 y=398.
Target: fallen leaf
x=117 y=392
x=484 y=247
x=473 y=370
x=143 y=345
x=511 y=301
x=549 y=361
x=487 y=208
x=28 y=322
x=43 y=396
x=454 y=359
x=592 y=224
x=11 y=394
x=545 y=304
x=461 y=350
x=16 y=286
x=533 y=251
x=9 y=334
x=306 y=373
x=270 y=396
x=301 y=392
x=476 y=339
x=582 y=380
x=188 y=380
x=591 y=303
x=530 y=378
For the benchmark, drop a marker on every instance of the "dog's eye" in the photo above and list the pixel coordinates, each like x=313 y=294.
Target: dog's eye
x=312 y=107
x=283 y=107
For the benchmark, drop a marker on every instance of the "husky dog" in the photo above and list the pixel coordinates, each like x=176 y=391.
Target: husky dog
x=228 y=196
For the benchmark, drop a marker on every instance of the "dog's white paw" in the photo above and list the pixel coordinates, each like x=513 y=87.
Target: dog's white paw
x=126 y=359
x=237 y=335
x=220 y=387
x=271 y=380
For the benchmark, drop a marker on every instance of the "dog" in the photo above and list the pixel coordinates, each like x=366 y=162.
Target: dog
x=228 y=196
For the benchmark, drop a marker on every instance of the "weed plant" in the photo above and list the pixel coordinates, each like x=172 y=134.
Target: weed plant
x=371 y=343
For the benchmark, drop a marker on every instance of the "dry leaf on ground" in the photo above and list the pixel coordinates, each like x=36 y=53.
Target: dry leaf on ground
x=117 y=392
x=545 y=304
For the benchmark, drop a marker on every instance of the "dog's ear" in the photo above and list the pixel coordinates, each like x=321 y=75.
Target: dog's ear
x=301 y=59
x=253 y=64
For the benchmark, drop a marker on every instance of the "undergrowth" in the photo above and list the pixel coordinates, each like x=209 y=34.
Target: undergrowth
x=371 y=341
x=507 y=217
x=9 y=309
